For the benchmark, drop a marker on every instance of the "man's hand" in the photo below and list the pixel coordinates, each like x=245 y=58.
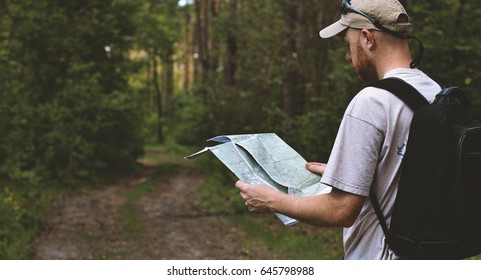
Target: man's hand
x=257 y=198
x=260 y=198
x=335 y=209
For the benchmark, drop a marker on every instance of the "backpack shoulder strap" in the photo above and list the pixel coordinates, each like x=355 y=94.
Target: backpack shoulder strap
x=379 y=214
x=411 y=97
x=402 y=90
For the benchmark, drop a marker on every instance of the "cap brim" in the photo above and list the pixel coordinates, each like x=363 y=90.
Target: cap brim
x=332 y=30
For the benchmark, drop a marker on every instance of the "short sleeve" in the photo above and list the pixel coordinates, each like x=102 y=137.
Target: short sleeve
x=355 y=155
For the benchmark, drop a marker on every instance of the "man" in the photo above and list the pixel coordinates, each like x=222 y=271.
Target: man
x=372 y=136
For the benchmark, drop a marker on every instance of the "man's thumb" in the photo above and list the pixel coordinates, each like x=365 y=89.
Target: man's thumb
x=241 y=185
x=316 y=167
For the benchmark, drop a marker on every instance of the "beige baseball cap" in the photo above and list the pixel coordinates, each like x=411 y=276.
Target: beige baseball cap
x=385 y=12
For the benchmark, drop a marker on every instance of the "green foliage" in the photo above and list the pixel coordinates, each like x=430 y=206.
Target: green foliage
x=18 y=225
x=449 y=30
x=192 y=120
x=311 y=133
x=217 y=194
x=66 y=110
x=158 y=26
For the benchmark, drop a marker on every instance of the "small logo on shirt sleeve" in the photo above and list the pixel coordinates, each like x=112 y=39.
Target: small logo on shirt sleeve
x=402 y=149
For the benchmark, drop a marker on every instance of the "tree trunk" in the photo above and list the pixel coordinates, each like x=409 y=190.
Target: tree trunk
x=187 y=49
x=290 y=77
x=158 y=96
x=202 y=35
x=169 y=86
x=204 y=42
x=230 y=64
x=197 y=39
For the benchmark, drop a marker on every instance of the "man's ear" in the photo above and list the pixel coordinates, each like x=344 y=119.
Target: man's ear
x=368 y=38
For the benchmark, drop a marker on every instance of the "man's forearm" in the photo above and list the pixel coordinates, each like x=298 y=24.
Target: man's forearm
x=335 y=209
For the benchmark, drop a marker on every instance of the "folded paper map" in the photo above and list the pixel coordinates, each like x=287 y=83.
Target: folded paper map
x=266 y=158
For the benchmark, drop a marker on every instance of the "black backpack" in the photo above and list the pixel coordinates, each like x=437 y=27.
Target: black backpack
x=437 y=211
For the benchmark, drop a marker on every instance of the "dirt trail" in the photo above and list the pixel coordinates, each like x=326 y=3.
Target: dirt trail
x=87 y=226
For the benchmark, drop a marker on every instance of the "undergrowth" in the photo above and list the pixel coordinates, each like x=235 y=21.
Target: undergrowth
x=296 y=242
x=20 y=210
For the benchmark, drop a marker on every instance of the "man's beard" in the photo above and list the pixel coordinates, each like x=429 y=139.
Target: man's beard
x=364 y=67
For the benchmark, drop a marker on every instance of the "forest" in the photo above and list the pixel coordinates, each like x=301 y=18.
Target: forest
x=85 y=85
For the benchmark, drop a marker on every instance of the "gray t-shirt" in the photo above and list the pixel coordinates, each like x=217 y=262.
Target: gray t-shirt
x=368 y=152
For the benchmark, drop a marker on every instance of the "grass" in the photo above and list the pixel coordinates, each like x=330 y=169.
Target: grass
x=296 y=242
x=128 y=217
x=217 y=194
